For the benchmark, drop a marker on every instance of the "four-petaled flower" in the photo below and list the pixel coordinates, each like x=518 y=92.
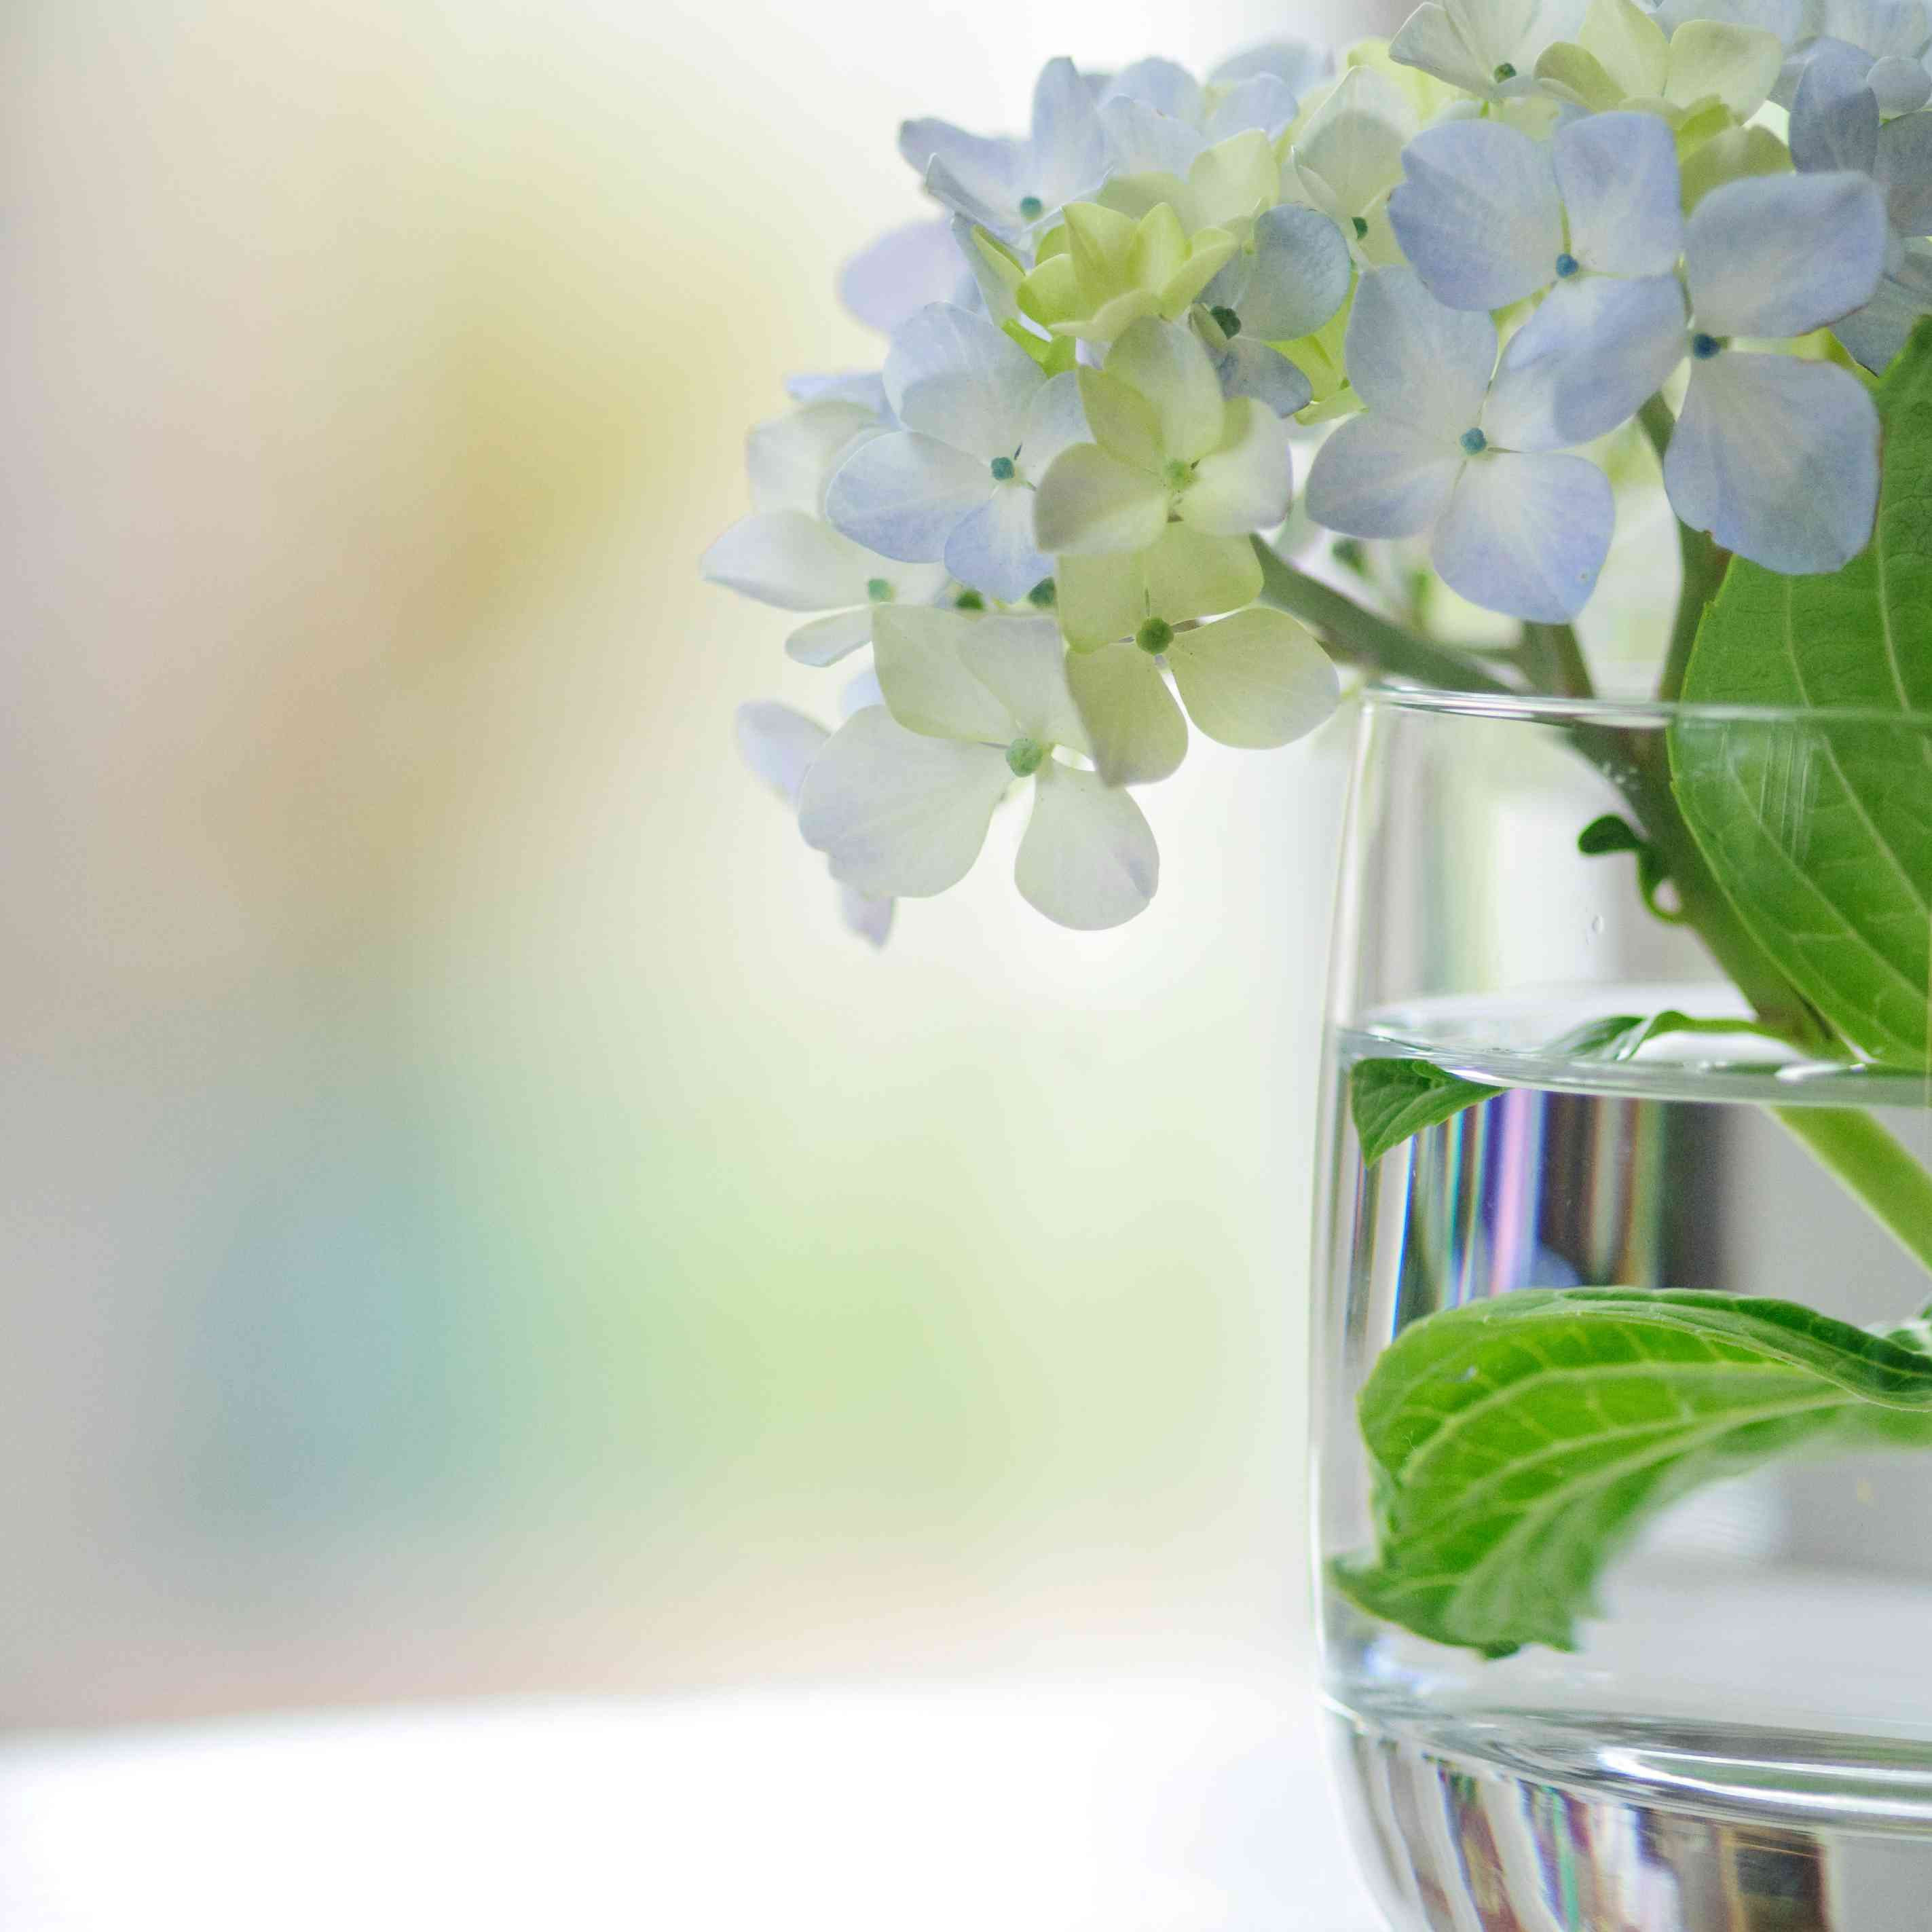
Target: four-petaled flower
x=1150 y=520
x=956 y=483
x=901 y=796
x=1445 y=449
x=1015 y=186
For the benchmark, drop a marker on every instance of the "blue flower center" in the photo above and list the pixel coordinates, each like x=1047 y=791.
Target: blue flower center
x=1044 y=595
x=1705 y=346
x=969 y=600
x=1566 y=266
x=1361 y=228
x=1024 y=757
x=1032 y=207
x=1002 y=468
x=1474 y=442
x=1154 y=636
x=1504 y=72
x=878 y=590
x=1227 y=321
x=1176 y=474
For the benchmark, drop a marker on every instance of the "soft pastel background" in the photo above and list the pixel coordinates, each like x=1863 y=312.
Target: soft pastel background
x=472 y=1221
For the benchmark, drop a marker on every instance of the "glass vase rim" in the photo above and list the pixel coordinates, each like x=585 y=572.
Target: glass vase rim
x=1537 y=708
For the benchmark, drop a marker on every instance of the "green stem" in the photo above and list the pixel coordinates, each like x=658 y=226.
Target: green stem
x=1894 y=1187
x=1704 y=565
x=1361 y=634
x=1553 y=661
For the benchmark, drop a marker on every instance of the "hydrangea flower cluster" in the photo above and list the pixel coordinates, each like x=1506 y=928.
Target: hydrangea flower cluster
x=1439 y=283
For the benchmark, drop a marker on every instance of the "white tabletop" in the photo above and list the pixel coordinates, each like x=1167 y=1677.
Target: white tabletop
x=1140 y=1805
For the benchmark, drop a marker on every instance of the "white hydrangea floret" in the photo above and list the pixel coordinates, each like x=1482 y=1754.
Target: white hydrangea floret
x=901 y=797
x=787 y=554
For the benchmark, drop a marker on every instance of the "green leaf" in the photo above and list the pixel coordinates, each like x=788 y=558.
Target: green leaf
x=1518 y=1444
x=1610 y=833
x=1392 y=1100
x=1820 y=834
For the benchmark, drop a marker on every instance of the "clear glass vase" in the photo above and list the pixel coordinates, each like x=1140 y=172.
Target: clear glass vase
x=1741 y=1738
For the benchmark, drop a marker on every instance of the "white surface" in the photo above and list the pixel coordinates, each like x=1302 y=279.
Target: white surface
x=1139 y=1806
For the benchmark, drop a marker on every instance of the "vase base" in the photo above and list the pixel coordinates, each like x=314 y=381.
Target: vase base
x=1528 y=1823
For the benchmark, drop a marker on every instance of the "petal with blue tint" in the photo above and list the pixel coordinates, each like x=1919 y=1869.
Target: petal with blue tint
x=1876 y=333
x=992 y=549
x=1526 y=534
x=1784 y=254
x=1299 y=276
x=1598 y=349
x=1778 y=459
x=791 y=458
x=1056 y=419
x=1068 y=152
x=1903 y=169
x=794 y=561
x=1265 y=102
x=902 y=494
x=1618 y=173
x=1834 y=116
x=779 y=745
x=902 y=272
x=959 y=377
x=1411 y=357
x=1376 y=477
x=1478 y=215
x=1250 y=368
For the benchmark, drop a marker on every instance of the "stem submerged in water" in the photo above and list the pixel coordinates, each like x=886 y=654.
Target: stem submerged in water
x=1894 y=1186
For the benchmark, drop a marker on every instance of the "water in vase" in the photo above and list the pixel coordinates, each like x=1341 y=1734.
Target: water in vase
x=1741 y=1740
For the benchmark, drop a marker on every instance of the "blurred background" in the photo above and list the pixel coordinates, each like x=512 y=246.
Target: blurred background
x=472 y=1220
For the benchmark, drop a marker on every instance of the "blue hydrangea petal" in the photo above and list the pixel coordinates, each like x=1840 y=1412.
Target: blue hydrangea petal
x=1478 y=214
x=1778 y=459
x=1526 y=534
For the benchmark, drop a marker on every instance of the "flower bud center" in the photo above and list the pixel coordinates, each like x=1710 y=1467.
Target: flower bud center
x=1566 y=266
x=1154 y=636
x=1474 y=442
x=969 y=600
x=1002 y=468
x=1504 y=71
x=1704 y=347
x=1176 y=474
x=1044 y=595
x=1361 y=228
x=1032 y=207
x=878 y=590
x=1024 y=757
x=1226 y=321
